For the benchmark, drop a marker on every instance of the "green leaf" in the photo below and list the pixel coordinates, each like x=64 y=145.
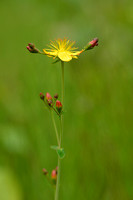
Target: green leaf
x=61 y=153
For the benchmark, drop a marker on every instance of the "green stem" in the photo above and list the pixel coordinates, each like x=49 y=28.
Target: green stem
x=61 y=133
x=56 y=131
x=62 y=81
x=61 y=118
x=58 y=181
x=56 y=111
x=61 y=129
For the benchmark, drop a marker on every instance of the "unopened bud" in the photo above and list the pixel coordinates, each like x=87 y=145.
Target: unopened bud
x=94 y=42
x=48 y=96
x=58 y=106
x=32 y=49
x=56 y=96
x=41 y=96
x=29 y=49
x=45 y=172
x=32 y=46
x=91 y=44
x=54 y=174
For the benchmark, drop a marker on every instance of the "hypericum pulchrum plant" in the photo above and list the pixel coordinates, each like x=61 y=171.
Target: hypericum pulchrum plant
x=61 y=51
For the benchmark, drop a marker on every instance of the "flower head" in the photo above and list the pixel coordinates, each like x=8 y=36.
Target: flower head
x=62 y=49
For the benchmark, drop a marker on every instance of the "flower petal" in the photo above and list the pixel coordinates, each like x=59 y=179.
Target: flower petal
x=75 y=57
x=50 y=53
x=76 y=53
x=64 y=56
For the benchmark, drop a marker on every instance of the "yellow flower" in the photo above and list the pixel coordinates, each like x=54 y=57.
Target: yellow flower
x=62 y=49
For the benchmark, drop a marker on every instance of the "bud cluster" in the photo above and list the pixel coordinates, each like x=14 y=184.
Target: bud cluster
x=53 y=178
x=52 y=103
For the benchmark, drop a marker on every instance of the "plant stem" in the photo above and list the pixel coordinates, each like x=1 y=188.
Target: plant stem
x=58 y=180
x=62 y=77
x=56 y=131
x=61 y=133
x=62 y=83
x=56 y=111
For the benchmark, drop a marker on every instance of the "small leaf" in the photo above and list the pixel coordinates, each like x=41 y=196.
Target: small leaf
x=61 y=153
x=54 y=147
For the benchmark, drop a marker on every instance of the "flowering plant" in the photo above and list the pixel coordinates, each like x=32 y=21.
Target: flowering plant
x=64 y=51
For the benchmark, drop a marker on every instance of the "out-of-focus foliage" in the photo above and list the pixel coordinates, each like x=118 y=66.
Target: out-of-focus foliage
x=98 y=96
x=9 y=187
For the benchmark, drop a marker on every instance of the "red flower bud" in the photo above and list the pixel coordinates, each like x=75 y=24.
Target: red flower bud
x=54 y=174
x=94 y=42
x=32 y=49
x=49 y=99
x=58 y=106
x=48 y=96
x=29 y=49
x=91 y=44
x=41 y=96
x=32 y=46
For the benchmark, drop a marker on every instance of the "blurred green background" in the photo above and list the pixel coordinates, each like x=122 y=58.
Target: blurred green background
x=98 y=127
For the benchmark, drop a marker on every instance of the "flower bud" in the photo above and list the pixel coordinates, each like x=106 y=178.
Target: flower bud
x=32 y=49
x=48 y=96
x=91 y=44
x=45 y=172
x=32 y=46
x=94 y=42
x=54 y=174
x=56 y=96
x=41 y=96
x=58 y=106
